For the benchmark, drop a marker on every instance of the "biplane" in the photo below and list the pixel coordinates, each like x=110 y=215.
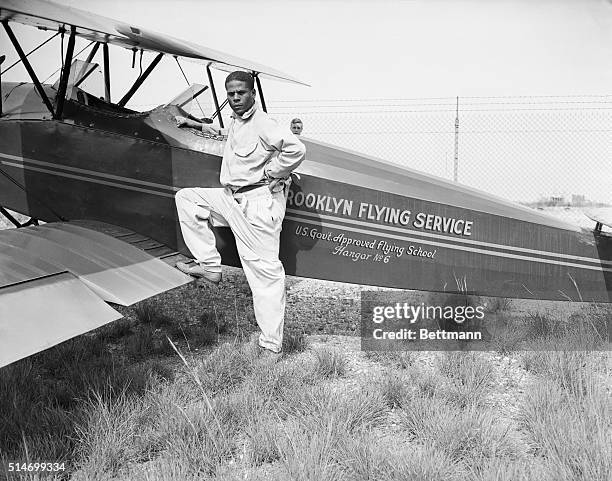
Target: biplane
x=102 y=177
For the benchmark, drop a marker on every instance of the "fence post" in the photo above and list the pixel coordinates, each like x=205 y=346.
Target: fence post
x=456 y=170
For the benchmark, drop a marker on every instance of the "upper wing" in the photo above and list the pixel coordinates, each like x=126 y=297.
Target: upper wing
x=48 y=15
x=55 y=279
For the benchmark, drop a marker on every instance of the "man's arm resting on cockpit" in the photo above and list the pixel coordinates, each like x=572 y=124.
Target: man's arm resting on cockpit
x=194 y=124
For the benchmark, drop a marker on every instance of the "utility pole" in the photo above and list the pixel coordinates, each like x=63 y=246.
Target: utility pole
x=456 y=171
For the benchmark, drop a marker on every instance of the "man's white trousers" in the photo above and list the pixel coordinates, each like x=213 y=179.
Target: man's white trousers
x=255 y=217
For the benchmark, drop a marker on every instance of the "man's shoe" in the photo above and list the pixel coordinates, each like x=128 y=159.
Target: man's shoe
x=270 y=356
x=199 y=272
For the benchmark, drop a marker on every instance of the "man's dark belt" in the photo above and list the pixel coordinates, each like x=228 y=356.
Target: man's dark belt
x=246 y=188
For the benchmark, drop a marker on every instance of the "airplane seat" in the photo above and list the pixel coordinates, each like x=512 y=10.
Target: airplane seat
x=102 y=106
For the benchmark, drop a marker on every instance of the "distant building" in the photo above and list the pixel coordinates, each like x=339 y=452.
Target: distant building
x=578 y=200
x=557 y=199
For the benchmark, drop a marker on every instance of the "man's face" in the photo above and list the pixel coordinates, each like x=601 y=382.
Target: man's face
x=296 y=128
x=240 y=97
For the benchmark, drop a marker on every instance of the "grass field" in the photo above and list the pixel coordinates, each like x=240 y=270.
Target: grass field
x=177 y=391
x=121 y=403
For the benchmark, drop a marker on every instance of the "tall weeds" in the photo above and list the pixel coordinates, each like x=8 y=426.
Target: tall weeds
x=470 y=375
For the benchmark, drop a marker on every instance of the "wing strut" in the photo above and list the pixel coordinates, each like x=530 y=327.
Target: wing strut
x=87 y=74
x=26 y=64
x=2 y=59
x=90 y=57
x=139 y=81
x=214 y=94
x=61 y=90
x=107 y=95
x=8 y=215
x=15 y=222
x=260 y=91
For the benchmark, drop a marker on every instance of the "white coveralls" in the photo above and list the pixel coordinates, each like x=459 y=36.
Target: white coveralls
x=256 y=147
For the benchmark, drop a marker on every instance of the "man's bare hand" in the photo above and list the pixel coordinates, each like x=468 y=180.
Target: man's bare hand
x=185 y=122
x=180 y=120
x=277 y=185
x=209 y=130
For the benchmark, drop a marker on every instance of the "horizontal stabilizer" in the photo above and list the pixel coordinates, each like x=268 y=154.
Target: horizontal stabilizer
x=40 y=313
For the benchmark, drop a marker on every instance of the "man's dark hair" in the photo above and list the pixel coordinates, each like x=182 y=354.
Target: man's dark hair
x=241 y=76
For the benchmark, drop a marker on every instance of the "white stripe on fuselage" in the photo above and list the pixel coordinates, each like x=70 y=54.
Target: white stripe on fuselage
x=86 y=171
x=448 y=246
x=452 y=239
x=87 y=179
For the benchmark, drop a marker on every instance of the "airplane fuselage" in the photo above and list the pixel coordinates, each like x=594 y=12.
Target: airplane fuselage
x=349 y=218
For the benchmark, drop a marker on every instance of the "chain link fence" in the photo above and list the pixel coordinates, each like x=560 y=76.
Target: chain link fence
x=549 y=149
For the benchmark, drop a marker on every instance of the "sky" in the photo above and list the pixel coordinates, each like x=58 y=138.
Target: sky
x=385 y=49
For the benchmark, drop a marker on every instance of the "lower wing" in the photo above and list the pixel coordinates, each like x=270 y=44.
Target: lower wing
x=56 y=280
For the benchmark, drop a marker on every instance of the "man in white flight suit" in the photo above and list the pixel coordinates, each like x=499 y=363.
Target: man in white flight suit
x=258 y=159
